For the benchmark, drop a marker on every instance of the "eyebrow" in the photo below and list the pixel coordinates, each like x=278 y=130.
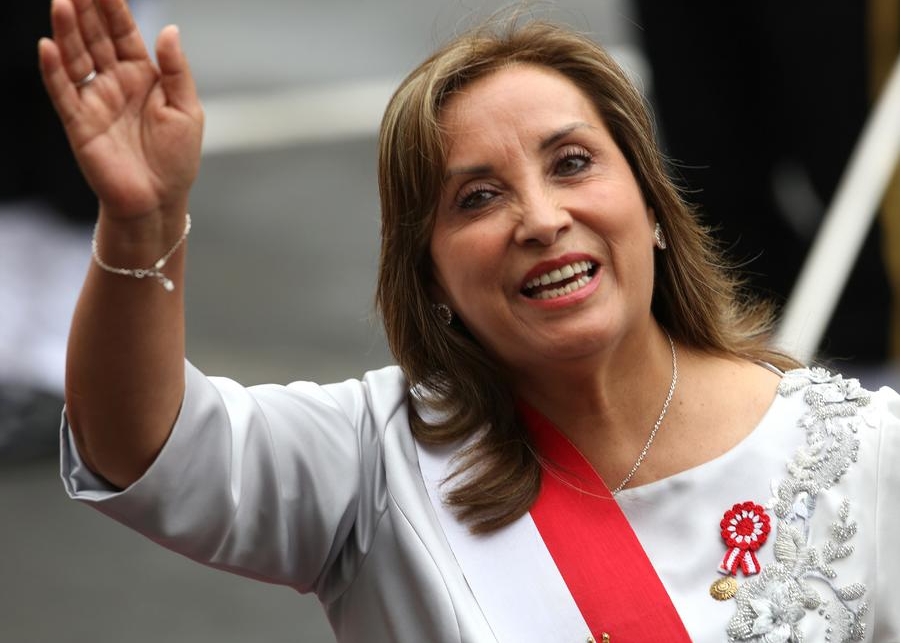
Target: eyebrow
x=563 y=132
x=545 y=143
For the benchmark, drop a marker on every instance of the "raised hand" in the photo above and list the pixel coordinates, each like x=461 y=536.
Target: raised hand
x=135 y=127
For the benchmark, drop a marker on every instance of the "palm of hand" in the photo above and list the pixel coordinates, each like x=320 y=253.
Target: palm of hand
x=133 y=147
x=135 y=128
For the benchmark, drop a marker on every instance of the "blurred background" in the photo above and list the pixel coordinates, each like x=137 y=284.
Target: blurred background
x=759 y=108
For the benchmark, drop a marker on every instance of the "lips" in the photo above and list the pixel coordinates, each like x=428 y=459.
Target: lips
x=560 y=281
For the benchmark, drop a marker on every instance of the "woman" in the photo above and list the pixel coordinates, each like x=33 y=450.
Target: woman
x=586 y=425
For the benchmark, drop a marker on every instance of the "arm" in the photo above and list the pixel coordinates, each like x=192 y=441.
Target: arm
x=135 y=131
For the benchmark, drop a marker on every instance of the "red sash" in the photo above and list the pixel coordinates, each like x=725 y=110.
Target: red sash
x=599 y=557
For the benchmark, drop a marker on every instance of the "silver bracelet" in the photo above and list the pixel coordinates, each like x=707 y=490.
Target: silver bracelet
x=139 y=273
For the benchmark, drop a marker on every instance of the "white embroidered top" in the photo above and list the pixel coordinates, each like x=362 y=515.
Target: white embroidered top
x=824 y=461
x=321 y=488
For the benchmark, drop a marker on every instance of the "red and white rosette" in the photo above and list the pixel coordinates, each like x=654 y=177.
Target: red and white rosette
x=744 y=528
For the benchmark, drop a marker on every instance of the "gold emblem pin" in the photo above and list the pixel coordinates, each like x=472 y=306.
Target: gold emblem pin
x=724 y=588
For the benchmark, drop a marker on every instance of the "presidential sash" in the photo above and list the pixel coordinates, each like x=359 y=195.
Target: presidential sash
x=571 y=570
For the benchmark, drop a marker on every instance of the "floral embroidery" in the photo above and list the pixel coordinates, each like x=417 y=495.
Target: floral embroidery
x=771 y=605
x=777 y=613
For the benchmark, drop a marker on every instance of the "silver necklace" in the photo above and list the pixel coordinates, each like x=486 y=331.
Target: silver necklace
x=647 y=445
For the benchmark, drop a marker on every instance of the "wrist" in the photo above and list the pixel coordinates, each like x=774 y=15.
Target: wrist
x=139 y=248
x=143 y=223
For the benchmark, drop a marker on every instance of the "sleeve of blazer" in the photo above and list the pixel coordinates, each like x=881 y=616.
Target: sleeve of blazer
x=280 y=483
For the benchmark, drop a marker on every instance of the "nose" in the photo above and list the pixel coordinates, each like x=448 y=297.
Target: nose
x=542 y=220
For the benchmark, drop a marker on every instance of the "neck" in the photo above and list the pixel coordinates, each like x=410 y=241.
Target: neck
x=608 y=406
x=601 y=382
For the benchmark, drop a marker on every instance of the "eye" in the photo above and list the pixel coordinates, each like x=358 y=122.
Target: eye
x=571 y=161
x=475 y=197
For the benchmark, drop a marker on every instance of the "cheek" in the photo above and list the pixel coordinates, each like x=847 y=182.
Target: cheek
x=449 y=262
x=466 y=262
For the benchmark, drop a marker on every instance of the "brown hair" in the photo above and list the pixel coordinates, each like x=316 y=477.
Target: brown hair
x=696 y=295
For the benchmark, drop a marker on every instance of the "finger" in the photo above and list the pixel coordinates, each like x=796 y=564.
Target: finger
x=123 y=31
x=76 y=60
x=175 y=73
x=94 y=34
x=59 y=86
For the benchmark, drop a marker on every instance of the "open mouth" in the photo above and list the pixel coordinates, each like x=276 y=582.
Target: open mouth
x=560 y=281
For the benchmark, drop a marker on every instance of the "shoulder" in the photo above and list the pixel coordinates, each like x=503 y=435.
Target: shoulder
x=850 y=441
x=371 y=402
x=838 y=409
x=380 y=389
x=843 y=423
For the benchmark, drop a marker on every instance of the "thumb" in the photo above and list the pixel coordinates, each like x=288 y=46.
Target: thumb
x=175 y=73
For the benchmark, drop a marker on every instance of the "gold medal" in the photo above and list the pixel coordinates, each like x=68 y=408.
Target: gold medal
x=724 y=588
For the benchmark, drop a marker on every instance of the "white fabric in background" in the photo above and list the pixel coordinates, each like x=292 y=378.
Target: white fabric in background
x=43 y=261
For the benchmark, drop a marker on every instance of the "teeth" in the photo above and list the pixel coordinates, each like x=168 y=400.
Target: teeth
x=565 y=290
x=559 y=274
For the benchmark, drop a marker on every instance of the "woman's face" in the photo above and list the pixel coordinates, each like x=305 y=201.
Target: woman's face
x=543 y=244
